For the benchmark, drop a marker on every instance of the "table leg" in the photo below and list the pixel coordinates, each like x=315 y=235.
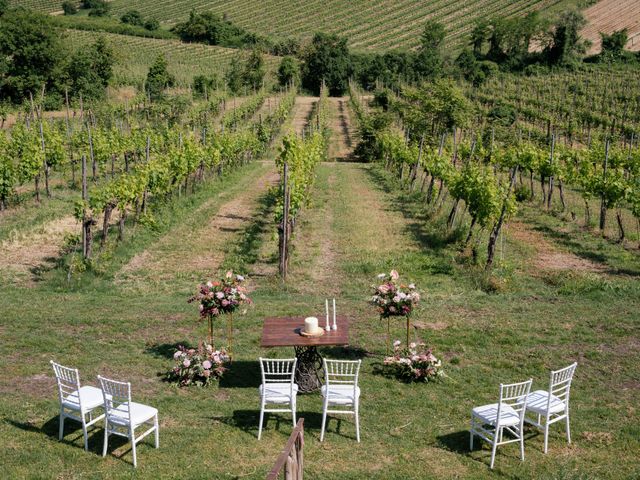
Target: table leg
x=308 y=369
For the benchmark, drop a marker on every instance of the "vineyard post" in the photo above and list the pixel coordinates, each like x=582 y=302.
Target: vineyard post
x=491 y=247
x=550 y=194
x=603 y=202
x=93 y=159
x=45 y=164
x=285 y=221
x=414 y=174
x=66 y=101
x=86 y=235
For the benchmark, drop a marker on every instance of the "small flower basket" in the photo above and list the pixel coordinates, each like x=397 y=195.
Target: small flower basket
x=198 y=366
x=222 y=296
x=394 y=299
x=415 y=363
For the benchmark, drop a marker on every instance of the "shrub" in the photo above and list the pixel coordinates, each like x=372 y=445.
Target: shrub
x=132 y=17
x=197 y=366
x=69 y=8
x=414 y=364
x=152 y=24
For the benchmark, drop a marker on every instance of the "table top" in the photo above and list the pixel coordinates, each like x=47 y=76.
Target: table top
x=284 y=332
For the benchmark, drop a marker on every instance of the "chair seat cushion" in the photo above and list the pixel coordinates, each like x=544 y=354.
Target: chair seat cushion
x=139 y=413
x=537 y=403
x=340 y=394
x=91 y=397
x=489 y=413
x=278 y=392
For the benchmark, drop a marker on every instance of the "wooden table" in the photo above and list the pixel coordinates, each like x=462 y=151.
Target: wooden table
x=284 y=332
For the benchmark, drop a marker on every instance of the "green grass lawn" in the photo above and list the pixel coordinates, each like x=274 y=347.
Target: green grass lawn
x=357 y=226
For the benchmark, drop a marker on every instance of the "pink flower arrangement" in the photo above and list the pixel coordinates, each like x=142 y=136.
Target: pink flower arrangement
x=392 y=298
x=415 y=363
x=198 y=366
x=222 y=296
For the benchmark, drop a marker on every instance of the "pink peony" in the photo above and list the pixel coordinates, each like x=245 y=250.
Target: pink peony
x=177 y=355
x=383 y=289
x=229 y=274
x=394 y=275
x=220 y=295
x=186 y=362
x=206 y=364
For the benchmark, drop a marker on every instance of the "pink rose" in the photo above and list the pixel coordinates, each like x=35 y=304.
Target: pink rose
x=394 y=275
x=383 y=289
x=220 y=295
x=206 y=364
x=229 y=274
x=186 y=362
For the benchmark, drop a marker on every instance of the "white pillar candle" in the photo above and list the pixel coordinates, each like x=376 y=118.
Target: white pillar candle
x=311 y=324
x=335 y=326
x=326 y=309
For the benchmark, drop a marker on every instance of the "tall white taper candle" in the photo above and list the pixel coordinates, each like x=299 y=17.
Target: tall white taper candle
x=326 y=309
x=335 y=326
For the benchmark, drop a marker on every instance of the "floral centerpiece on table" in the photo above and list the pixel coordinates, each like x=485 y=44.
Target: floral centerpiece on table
x=415 y=363
x=393 y=299
x=219 y=297
x=198 y=366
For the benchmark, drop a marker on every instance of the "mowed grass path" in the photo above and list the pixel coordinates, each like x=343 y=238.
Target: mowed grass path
x=356 y=227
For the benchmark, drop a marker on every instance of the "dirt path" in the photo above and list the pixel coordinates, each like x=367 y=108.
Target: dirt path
x=608 y=16
x=195 y=251
x=548 y=257
x=349 y=221
x=342 y=143
x=301 y=112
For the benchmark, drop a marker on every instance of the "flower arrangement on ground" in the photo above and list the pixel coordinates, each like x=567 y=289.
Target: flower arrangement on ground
x=415 y=363
x=394 y=299
x=198 y=366
x=219 y=297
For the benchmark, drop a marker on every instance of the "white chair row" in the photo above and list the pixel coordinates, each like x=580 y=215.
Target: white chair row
x=340 y=391
x=122 y=416
x=489 y=422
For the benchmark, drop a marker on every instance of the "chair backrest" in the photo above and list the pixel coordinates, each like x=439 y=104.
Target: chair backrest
x=342 y=372
x=560 y=383
x=514 y=395
x=68 y=380
x=115 y=394
x=278 y=370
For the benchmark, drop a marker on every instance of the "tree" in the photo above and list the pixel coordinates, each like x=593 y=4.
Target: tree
x=4 y=5
x=233 y=76
x=203 y=84
x=429 y=60
x=613 y=44
x=327 y=60
x=31 y=54
x=289 y=71
x=566 y=44
x=254 y=70
x=69 y=8
x=479 y=36
x=132 y=17
x=91 y=69
x=158 y=78
x=436 y=107
x=101 y=9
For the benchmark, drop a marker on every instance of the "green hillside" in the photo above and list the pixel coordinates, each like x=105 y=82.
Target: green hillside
x=369 y=25
x=136 y=54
